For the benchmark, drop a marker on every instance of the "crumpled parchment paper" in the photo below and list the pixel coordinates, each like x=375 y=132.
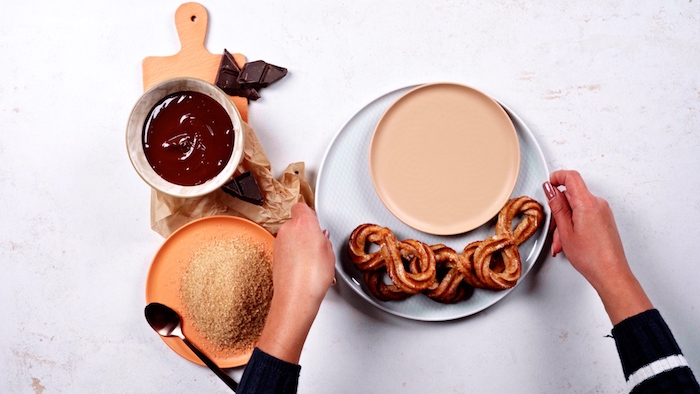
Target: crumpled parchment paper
x=169 y=213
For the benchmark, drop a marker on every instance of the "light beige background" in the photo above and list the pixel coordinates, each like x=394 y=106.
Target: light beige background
x=609 y=88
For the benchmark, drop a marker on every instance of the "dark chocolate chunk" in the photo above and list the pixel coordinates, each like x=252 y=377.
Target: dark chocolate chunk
x=252 y=72
x=272 y=74
x=249 y=93
x=245 y=187
x=259 y=74
x=227 y=78
x=246 y=82
x=229 y=63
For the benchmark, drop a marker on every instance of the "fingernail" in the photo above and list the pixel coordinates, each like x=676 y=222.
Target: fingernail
x=549 y=190
x=327 y=234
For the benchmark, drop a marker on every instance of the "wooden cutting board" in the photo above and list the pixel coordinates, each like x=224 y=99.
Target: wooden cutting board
x=193 y=59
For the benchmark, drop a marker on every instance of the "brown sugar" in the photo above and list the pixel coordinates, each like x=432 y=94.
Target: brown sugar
x=226 y=290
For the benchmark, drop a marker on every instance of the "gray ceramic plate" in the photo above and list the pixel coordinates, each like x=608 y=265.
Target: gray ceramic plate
x=346 y=198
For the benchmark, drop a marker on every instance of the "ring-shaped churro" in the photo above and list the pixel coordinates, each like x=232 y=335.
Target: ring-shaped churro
x=438 y=271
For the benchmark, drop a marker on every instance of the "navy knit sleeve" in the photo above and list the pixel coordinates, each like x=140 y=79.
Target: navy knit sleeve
x=266 y=374
x=651 y=359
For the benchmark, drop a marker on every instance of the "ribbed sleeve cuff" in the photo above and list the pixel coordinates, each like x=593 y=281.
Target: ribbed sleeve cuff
x=642 y=339
x=267 y=374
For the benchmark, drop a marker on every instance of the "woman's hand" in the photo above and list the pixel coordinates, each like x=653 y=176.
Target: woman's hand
x=303 y=270
x=586 y=232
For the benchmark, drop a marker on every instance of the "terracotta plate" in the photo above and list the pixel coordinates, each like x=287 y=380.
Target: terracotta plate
x=444 y=158
x=169 y=263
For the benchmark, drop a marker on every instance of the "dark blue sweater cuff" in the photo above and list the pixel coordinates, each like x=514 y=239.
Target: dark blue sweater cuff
x=642 y=339
x=267 y=374
x=651 y=359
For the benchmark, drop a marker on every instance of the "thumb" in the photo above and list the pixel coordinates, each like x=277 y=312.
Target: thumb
x=556 y=243
x=561 y=210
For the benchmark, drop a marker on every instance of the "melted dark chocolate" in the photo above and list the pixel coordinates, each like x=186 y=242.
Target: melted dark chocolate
x=188 y=138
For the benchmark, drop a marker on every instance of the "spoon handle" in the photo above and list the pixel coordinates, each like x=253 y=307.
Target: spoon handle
x=218 y=371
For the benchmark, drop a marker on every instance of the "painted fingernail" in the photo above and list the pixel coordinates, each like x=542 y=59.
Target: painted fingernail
x=549 y=190
x=327 y=234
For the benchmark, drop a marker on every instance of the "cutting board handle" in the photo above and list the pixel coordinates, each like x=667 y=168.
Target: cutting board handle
x=193 y=59
x=191 y=21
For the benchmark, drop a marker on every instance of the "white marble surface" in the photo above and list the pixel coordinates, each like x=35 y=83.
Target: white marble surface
x=609 y=88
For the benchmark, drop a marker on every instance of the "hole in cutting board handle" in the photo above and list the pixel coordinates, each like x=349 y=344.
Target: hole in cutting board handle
x=193 y=18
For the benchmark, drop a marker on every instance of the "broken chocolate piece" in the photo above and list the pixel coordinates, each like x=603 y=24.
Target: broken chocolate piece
x=259 y=74
x=227 y=78
x=252 y=72
x=245 y=187
x=246 y=82
x=229 y=63
x=272 y=74
x=249 y=93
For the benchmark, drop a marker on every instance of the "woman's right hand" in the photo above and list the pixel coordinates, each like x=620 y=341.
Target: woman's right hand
x=586 y=232
x=303 y=270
